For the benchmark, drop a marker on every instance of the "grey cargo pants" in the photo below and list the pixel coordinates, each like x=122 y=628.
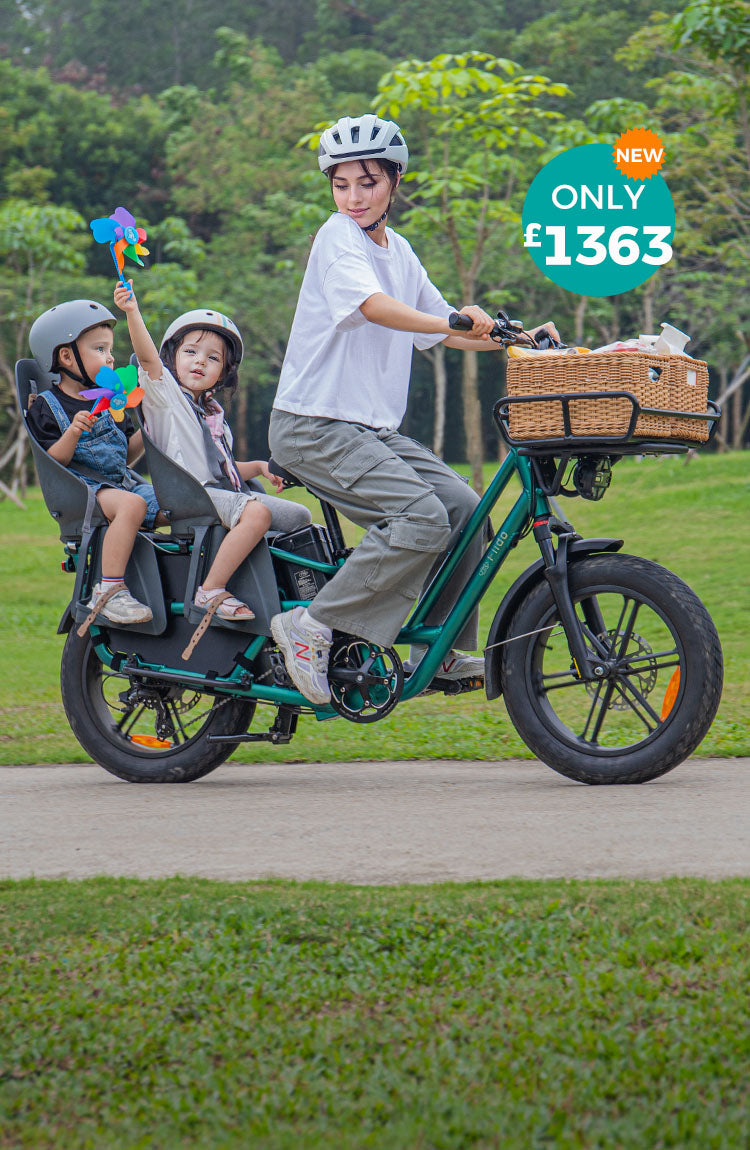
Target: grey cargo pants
x=412 y=506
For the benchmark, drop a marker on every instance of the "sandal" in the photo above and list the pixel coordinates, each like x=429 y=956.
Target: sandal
x=227 y=607
x=221 y=604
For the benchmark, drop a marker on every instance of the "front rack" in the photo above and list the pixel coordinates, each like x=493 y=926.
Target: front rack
x=628 y=443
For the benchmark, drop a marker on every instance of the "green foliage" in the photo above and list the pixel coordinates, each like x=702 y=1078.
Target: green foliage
x=208 y=161
x=720 y=30
x=101 y=152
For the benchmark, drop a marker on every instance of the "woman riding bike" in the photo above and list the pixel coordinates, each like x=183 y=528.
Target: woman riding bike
x=365 y=302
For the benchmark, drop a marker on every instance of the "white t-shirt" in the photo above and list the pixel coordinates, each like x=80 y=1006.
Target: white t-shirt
x=173 y=426
x=337 y=364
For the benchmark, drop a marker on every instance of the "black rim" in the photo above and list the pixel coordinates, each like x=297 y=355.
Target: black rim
x=635 y=703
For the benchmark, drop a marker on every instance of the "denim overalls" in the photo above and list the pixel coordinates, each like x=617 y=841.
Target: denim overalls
x=104 y=449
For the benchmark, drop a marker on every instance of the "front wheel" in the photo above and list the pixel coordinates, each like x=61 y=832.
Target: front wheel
x=145 y=733
x=662 y=687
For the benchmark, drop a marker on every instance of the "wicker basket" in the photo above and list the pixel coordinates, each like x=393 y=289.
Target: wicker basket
x=681 y=385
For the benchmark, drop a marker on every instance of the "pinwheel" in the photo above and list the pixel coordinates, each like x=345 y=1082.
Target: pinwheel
x=124 y=237
x=116 y=391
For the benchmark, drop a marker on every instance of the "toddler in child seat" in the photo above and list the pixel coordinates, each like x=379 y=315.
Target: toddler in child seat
x=199 y=355
x=73 y=341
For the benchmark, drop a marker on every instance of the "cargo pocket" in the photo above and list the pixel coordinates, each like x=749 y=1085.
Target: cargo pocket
x=413 y=535
x=413 y=548
x=361 y=459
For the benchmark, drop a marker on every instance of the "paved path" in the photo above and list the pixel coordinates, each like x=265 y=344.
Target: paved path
x=376 y=823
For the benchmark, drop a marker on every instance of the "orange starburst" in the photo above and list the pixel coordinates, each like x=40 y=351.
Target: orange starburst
x=638 y=153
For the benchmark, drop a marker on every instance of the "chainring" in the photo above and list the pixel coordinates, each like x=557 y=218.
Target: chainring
x=365 y=680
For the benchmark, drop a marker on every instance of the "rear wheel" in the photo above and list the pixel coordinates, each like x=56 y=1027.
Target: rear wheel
x=143 y=733
x=663 y=679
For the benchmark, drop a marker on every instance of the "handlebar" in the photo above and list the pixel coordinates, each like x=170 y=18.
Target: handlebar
x=507 y=331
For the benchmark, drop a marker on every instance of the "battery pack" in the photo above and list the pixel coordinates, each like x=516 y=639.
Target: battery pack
x=295 y=580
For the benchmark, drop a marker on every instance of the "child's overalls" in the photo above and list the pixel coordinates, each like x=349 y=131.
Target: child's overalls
x=104 y=450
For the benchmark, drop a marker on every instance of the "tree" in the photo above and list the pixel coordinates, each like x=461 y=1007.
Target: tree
x=704 y=107
x=36 y=240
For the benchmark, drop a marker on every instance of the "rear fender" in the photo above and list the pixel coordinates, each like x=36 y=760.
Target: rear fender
x=67 y=620
x=578 y=549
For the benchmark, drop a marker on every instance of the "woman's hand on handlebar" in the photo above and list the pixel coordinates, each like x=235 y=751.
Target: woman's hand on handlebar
x=480 y=326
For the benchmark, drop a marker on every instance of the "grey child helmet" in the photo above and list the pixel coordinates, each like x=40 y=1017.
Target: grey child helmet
x=362 y=138
x=62 y=325
x=206 y=318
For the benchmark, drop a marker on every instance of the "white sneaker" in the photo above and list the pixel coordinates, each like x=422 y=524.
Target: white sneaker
x=455 y=665
x=305 y=652
x=121 y=608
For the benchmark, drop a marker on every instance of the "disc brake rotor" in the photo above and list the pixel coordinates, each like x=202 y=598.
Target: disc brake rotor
x=643 y=674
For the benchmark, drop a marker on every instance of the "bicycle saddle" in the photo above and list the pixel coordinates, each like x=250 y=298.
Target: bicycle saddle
x=289 y=479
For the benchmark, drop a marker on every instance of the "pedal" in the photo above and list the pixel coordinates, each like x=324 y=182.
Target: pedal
x=457 y=686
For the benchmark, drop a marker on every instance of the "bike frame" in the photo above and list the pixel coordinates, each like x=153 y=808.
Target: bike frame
x=530 y=505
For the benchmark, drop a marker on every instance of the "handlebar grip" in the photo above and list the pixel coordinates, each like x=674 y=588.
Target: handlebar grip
x=460 y=322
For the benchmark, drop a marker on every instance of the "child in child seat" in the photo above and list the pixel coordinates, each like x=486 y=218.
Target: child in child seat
x=199 y=355
x=73 y=340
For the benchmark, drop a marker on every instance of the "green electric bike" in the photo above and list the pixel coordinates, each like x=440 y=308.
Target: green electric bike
x=609 y=664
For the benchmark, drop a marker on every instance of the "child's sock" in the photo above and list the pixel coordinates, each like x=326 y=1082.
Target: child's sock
x=213 y=592
x=107 y=582
x=307 y=620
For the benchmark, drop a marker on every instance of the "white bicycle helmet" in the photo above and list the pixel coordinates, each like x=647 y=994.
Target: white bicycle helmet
x=213 y=320
x=362 y=138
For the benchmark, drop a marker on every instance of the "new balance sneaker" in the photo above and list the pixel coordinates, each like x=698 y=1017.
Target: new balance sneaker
x=455 y=665
x=305 y=652
x=121 y=608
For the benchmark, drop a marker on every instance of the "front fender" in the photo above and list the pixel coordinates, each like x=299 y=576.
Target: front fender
x=578 y=549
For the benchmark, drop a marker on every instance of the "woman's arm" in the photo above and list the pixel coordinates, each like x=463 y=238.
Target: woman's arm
x=389 y=312
x=143 y=345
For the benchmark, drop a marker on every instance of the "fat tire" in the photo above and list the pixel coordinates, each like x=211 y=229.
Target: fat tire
x=701 y=665
x=81 y=671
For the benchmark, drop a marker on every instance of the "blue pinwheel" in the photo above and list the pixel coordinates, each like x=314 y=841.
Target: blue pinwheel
x=116 y=391
x=124 y=237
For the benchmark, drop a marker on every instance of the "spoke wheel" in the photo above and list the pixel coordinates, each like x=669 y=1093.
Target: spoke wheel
x=662 y=681
x=145 y=733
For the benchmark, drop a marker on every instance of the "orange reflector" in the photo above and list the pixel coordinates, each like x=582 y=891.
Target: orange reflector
x=670 y=694
x=150 y=741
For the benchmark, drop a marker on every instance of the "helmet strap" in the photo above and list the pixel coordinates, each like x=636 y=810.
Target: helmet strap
x=371 y=227
x=84 y=377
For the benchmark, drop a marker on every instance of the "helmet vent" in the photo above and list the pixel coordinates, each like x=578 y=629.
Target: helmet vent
x=337 y=137
x=355 y=135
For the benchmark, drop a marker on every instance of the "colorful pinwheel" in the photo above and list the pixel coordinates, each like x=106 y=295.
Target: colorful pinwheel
x=124 y=237
x=116 y=391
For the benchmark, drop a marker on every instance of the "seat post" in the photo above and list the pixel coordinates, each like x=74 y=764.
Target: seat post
x=334 y=529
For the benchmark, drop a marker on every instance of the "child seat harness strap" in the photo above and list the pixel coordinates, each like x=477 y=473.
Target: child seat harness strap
x=64 y=423
x=220 y=458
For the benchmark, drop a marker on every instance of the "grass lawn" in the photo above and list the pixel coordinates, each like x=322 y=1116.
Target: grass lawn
x=689 y=517
x=516 y=1014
